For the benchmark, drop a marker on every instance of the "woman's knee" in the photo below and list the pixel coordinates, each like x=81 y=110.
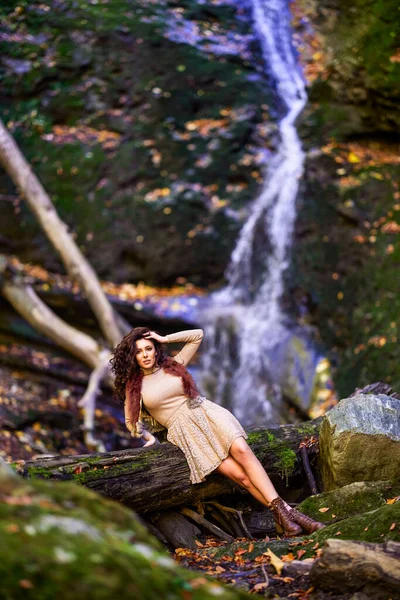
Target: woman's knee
x=230 y=468
x=241 y=451
x=243 y=480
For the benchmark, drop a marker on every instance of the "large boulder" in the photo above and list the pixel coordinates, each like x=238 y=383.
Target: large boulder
x=360 y=441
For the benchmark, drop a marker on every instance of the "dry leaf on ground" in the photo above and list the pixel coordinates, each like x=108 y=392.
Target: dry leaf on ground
x=276 y=562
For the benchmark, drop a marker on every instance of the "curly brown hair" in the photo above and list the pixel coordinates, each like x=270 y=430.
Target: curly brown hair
x=123 y=362
x=129 y=376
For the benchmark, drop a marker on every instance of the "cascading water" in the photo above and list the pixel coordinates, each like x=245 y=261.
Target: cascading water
x=245 y=329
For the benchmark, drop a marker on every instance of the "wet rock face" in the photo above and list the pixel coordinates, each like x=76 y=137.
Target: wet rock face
x=342 y=278
x=149 y=137
x=358 y=64
x=360 y=441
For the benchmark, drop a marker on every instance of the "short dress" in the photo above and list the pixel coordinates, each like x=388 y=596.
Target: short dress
x=203 y=430
x=204 y=434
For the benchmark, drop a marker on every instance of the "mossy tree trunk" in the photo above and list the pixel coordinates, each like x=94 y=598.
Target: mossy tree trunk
x=149 y=479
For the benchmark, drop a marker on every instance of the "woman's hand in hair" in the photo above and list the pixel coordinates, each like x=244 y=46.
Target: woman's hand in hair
x=155 y=336
x=149 y=439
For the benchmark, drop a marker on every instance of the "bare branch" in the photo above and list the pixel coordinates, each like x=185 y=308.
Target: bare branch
x=88 y=401
x=57 y=232
x=28 y=304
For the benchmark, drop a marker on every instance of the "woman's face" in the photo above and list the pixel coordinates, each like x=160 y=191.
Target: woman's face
x=146 y=354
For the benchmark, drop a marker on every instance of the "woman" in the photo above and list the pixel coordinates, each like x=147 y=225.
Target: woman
x=158 y=392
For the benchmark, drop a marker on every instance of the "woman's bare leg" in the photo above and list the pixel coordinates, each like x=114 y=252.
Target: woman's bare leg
x=231 y=469
x=244 y=456
x=258 y=483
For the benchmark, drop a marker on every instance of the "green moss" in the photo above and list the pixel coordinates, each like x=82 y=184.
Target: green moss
x=100 y=473
x=255 y=436
x=308 y=428
x=39 y=472
x=86 y=470
x=286 y=461
x=62 y=537
x=373 y=526
x=285 y=458
x=352 y=499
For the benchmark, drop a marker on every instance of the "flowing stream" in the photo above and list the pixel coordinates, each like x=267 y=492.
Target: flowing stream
x=246 y=335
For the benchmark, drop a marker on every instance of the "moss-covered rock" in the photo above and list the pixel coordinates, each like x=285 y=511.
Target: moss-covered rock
x=61 y=539
x=349 y=500
x=360 y=440
x=372 y=526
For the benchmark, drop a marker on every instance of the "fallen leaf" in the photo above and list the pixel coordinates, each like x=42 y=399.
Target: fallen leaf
x=339 y=533
x=198 y=582
x=240 y=551
x=260 y=559
x=276 y=562
x=260 y=586
x=219 y=569
x=324 y=509
x=366 y=529
x=26 y=584
x=287 y=557
x=393 y=525
x=392 y=500
x=182 y=552
x=316 y=546
x=353 y=158
x=300 y=553
x=17 y=500
x=251 y=547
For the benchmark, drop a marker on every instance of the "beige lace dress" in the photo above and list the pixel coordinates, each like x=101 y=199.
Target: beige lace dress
x=203 y=430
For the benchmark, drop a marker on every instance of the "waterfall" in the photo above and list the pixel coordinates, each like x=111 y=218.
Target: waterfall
x=245 y=328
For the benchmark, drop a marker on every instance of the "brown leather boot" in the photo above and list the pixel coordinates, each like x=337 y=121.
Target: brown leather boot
x=283 y=521
x=307 y=523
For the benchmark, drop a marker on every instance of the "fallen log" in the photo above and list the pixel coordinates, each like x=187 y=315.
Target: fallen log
x=353 y=566
x=154 y=478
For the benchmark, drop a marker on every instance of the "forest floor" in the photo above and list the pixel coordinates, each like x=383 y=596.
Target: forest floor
x=256 y=575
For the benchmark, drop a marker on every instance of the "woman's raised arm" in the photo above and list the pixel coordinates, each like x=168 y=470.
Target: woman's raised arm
x=192 y=339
